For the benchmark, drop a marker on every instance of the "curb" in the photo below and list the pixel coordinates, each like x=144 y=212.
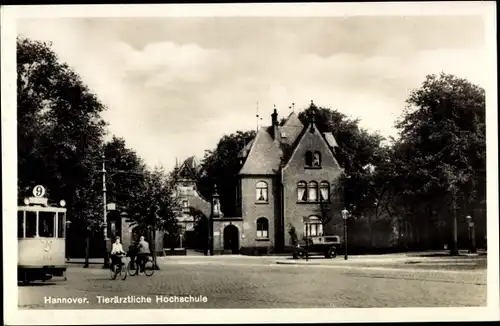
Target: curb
x=300 y=263
x=370 y=262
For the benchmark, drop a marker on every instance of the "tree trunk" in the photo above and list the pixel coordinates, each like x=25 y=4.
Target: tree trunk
x=87 y=250
x=454 y=246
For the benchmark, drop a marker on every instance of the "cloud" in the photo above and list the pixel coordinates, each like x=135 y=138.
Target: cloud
x=168 y=62
x=174 y=86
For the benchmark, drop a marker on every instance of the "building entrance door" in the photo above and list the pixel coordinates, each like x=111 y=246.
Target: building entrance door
x=232 y=239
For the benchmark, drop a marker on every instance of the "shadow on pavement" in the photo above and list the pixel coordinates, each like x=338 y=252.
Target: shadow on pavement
x=21 y=284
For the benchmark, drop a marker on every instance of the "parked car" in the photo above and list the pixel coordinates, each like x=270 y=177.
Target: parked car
x=327 y=245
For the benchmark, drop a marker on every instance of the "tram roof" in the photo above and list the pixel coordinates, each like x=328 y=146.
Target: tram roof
x=42 y=209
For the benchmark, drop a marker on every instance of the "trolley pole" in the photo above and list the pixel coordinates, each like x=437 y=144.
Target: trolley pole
x=104 y=212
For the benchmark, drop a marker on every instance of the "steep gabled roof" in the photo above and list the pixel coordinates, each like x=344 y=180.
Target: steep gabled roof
x=188 y=169
x=264 y=156
x=291 y=129
x=323 y=136
x=330 y=139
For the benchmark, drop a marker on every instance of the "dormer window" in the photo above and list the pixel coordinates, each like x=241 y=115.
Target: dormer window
x=316 y=159
x=309 y=158
x=313 y=160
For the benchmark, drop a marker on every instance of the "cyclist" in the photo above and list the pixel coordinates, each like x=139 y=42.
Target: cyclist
x=116 y=253
x=132 y=252
x=143 y=253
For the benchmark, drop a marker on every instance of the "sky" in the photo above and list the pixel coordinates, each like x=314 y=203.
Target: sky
x=174 y=86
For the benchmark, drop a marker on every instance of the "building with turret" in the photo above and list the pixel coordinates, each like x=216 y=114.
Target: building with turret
x=285 y=183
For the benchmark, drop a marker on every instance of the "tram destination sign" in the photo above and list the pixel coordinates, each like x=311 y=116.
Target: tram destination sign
x=39 y=191
x=38 y=197
x=37 y=201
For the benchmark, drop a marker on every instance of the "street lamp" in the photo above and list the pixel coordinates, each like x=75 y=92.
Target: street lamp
x=472 y=234
x=345 y=216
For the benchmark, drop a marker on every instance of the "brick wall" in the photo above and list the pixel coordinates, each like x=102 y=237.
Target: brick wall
x=252 y=210
x=295 y=171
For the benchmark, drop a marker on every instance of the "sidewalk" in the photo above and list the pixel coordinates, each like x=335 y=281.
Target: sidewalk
x=399 y=258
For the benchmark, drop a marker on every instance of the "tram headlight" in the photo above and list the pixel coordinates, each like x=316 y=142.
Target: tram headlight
x=62 y=203
x=26 y=201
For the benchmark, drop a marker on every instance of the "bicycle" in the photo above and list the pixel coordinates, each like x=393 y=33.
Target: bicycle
x=148 y=269
x=120 y=268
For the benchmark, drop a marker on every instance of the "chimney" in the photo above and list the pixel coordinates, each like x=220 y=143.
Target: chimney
x=274 y=119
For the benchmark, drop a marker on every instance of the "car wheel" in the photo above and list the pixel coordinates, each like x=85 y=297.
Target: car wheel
x=332 y=253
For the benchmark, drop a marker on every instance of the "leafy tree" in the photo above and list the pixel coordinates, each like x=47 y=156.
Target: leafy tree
x=60 y=132
x=221 y=166
x=441 y=154
x=154 y=207
x=126 y=174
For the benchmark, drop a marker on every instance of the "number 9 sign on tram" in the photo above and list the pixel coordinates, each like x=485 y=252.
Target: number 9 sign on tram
x=38 y=191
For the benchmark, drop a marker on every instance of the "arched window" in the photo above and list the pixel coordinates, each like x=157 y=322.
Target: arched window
x=324 y=190
x=312 y=191
x=309 y=158
x=262 y=191
x=262 y=228
x=313 y=227
x=301 y=191
x=316 y=161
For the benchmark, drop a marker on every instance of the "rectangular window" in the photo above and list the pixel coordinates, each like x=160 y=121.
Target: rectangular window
x=46 y=224
x=313 y=194
x=324 y=193
x=61 y=225
x=30 y=224
x=313 y=229
x=262 y=234
x=20 y=224
x=262 y=194
x=301 y=194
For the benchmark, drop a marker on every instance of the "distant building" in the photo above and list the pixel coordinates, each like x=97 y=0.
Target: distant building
x=285 y=182
x=188 y=196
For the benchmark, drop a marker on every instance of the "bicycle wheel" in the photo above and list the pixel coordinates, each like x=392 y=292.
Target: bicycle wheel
x=113 y=272
x=131 y=271
x=149 y=268
x=123 y=271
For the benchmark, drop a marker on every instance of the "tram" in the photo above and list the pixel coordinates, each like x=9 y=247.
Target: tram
x=41 y=239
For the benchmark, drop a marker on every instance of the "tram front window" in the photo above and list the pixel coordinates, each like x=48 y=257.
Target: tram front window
x=30 y=224
x=61 y=225
x=46 y=224
x=20 y=224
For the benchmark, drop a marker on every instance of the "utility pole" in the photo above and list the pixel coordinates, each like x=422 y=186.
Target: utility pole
x=104 y=212
x=107 y=242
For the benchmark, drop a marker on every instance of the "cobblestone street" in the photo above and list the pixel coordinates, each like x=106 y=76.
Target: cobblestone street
x=261 y=283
